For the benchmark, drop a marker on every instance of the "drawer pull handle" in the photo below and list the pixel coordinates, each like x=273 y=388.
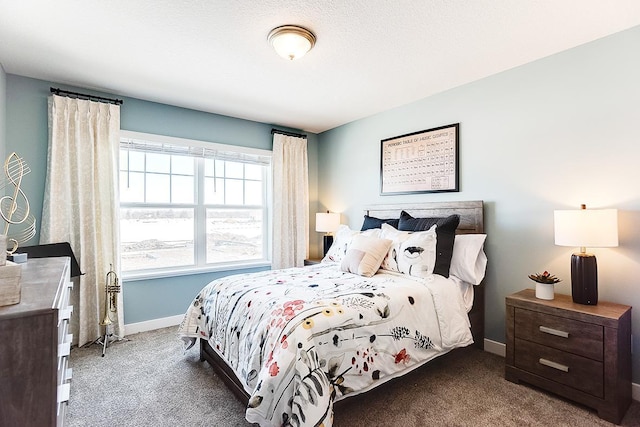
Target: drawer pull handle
x=555 y=332
x=64 y=349
x=554 y=365
x=63 y=393
x=65 y=313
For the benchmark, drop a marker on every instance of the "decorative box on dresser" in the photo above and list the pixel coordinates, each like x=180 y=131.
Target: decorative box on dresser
x=34 y=347
x=581 y=352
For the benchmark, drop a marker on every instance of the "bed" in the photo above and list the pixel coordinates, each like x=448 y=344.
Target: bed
x=291 y=343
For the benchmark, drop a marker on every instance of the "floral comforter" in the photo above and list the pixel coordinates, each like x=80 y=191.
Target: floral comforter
x=301 y=338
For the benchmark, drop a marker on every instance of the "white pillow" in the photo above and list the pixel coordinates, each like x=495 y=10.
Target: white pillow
x=365 y=254
x=412 y=253
x=469 y=262
x=341 y=241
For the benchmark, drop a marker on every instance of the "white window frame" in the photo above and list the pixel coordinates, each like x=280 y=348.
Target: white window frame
x=200 y=265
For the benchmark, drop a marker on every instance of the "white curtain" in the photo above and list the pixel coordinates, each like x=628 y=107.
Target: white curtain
x=81 y=202
x=290 y=201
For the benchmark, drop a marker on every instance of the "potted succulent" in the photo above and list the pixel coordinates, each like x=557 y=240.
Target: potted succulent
x=544 y=284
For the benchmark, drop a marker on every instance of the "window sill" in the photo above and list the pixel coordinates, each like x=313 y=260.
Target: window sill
x=148 y=275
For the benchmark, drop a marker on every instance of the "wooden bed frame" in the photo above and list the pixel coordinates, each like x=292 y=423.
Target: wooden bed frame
x=471 y=221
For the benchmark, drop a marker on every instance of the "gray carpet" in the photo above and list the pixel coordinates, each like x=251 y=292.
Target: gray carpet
x=150 y=381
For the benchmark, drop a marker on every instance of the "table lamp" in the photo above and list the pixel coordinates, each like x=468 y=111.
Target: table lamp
x=327 y=223
x=585 y=228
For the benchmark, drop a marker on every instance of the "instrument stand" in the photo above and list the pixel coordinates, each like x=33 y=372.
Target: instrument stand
x=107 y=339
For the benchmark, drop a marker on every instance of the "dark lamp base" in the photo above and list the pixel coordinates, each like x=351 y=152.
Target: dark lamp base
x=327 y=242
x=584 y=279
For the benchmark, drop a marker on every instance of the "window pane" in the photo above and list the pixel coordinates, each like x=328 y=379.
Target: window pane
x=136 y=160
x=162 y=196
x=253 y=193
x=214 y=167
x=182 y=189
x=156 y=238
x=253 y=171
x=234 y=235
x=214 y=195
x=157 y=188
x=219 y=168
x=158 y=162
x=208 y=167
x=234 y=170
x=131 y=187
x=124 y=160
x=182 y=165
x=234 y=190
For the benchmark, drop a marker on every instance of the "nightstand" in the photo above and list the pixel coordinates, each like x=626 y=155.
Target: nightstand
x=580 y=352
x=312 y=261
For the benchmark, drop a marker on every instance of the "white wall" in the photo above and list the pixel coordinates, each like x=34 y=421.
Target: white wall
x=548 y=135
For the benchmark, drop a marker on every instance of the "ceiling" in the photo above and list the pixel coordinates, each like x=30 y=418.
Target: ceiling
x=213 y=55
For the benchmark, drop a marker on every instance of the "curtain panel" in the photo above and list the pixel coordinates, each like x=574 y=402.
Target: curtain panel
x=81 y=202
x=290 y=201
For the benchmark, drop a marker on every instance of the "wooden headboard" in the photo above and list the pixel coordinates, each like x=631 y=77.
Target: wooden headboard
x=471 y=213
x=471 y=221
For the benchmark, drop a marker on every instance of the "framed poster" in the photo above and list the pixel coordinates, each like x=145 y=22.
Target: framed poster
x=420 y=162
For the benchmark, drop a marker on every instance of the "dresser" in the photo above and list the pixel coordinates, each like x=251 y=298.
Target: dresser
x=34 y=347
x=580 y=352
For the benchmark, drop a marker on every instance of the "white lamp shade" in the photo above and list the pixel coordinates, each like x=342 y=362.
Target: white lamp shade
x=327 y=222
x=596 y=228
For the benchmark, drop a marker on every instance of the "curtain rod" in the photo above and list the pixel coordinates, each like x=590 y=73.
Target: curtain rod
x=284 y=132
x=61 y=92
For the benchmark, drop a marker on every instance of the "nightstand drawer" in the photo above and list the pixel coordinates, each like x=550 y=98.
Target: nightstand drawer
x=575 y=371
x=584 y=339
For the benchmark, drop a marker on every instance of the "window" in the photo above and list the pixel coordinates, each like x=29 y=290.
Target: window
x=190 y=205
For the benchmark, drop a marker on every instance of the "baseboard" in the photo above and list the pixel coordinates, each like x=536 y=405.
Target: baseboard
x=500 y=349
x=495 y=347
x=150 y=325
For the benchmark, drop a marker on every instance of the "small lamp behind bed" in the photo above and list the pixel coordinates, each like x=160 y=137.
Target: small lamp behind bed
x=327 y=223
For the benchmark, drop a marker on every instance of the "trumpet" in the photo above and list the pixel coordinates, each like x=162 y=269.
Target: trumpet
x=111 y=291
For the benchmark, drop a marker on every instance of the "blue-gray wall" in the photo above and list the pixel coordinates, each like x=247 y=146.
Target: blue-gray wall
x=27 y=134
x=3 y=111
x=548 y=135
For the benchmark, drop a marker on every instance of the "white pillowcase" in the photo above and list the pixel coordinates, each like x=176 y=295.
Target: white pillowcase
x=365 y=254
x=412 y=253
x=469 y=262
x=341 y=242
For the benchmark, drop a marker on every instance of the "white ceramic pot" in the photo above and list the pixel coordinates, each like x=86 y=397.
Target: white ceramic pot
x=544 y=290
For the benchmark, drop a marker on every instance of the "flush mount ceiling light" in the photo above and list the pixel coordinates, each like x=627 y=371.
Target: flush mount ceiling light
x=291 y=42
